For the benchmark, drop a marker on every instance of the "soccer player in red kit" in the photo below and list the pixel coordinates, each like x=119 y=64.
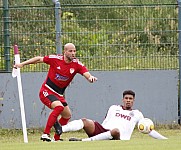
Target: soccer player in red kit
x=62 y=70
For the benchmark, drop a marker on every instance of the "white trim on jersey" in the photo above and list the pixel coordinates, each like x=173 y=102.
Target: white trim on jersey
x=52 y=90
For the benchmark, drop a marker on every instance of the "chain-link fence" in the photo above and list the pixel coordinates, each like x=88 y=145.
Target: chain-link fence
x=107 y=37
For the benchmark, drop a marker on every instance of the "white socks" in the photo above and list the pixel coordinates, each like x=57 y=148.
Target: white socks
x=156 y=135
x=78 y=124
x=73 y=126
x=101 y=136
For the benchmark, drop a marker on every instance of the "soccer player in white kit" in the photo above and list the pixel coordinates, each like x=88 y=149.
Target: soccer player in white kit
x=119 y=123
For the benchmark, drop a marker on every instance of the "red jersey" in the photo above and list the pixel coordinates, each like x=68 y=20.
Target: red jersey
x=60 y=73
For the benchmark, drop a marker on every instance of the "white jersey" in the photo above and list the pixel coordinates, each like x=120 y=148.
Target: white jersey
x=124 y=120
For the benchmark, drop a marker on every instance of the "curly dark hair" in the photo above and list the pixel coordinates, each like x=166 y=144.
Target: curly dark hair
x=130 y=92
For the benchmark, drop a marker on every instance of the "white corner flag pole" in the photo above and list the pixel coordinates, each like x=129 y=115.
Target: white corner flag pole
x=16 y=73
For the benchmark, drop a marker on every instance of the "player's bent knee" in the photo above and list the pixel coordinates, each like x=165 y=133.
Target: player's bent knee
x=87 y=122
x=115 y=134
x=84 y=120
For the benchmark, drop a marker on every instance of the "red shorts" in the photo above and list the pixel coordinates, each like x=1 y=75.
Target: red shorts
x=98 y=129
x=47 y=97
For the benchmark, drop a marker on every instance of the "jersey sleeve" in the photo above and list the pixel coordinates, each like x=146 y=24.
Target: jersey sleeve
x=108 y=115
x=82 y=69
x=140 y=116
x=50 y=59
x=46 y=60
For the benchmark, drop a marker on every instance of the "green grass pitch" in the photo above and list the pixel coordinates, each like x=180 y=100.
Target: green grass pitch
x=13 y=140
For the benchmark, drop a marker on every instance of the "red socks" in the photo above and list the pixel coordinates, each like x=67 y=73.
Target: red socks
x=53 y=118
x=62 y=121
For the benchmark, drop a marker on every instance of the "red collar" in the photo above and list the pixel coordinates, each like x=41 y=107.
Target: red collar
x=126 y=109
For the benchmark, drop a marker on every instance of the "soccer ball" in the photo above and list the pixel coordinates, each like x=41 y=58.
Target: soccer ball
x=145 y=125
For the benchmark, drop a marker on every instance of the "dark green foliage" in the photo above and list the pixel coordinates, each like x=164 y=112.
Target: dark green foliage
x=109 y=35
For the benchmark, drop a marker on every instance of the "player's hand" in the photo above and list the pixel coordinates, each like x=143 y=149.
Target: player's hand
x=20 y=65
x=92 y=79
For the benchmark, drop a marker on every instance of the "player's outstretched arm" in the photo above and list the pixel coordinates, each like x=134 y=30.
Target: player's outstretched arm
x=89 y=77
x=156 y=135
x=34 y=60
